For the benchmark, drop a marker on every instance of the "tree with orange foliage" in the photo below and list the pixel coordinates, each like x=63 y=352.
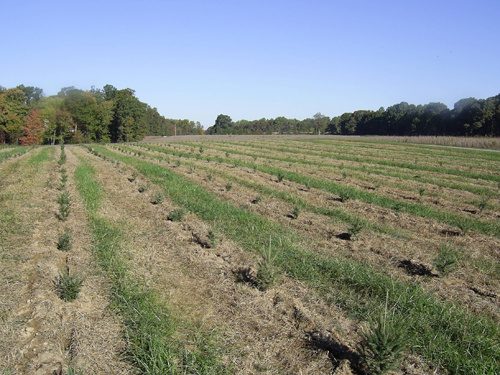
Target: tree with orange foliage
x=33 y=129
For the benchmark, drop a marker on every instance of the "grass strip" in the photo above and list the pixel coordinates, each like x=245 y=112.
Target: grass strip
x=460 y=221
x=45 y=154
x=443 y=332
x=18 y=151
x=148 y=321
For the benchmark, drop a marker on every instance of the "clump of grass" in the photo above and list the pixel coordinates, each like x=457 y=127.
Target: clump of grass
x=296 y=211
x=64 y=205
x=201 y=149
x=68 y=286
x=229 y=186
x=421 y=192
x=280 y=175
x=382 y=344
x=177 y=215
x=210 y=176
x=158 y=199
x=446 y=260
x=64 y=241
x=267 y=272
x=134 y=177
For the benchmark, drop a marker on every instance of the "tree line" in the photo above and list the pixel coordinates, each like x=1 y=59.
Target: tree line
x=29 y=117
x=469 y=117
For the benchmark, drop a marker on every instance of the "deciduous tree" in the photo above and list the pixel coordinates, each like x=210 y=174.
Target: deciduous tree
x=33 y=129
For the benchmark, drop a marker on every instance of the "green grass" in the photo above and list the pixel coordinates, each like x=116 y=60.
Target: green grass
x=45 y=154
x=18 y=151
x=453 y=219
x=445 y=334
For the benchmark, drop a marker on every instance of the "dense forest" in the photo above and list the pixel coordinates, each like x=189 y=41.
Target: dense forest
x=469 y=117
x=28 y=117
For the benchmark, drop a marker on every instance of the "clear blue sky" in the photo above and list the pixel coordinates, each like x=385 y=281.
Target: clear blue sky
x=251 y=59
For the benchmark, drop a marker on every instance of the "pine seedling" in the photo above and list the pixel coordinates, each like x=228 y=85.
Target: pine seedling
x=64 y=241
x=355 y=229
x=267 y=272
x=64 y=205
x=177 y=215
x=483 y=204
x=212 y=236
x=383 y=343
x=280 y=176
x=344 y=196
x=308 y=184
x=464 y=225
x=68 y=286
x=158 y=199
x=143 y=188
x=446 y=260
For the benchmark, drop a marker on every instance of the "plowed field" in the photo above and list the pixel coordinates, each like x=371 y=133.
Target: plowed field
x=262 y=255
